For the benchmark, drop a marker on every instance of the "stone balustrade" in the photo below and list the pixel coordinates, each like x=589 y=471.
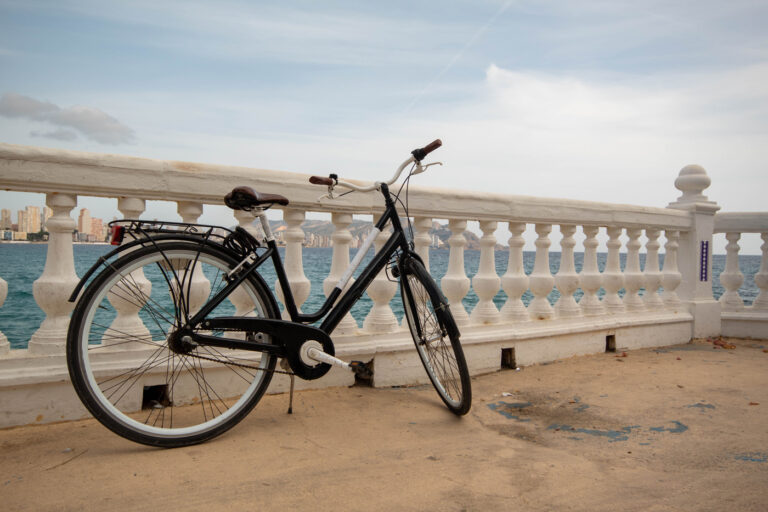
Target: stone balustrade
x=739 y=319
x=592 y=310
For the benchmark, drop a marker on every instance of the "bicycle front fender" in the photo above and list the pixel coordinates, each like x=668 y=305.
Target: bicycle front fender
x=413 y=264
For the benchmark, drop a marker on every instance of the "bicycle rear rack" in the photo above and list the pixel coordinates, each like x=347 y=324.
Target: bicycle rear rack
x=237 y=240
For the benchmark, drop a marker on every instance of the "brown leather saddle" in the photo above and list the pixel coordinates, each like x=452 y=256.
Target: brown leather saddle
x=245 y=198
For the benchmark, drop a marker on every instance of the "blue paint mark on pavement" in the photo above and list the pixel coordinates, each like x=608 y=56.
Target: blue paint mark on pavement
x=581 y=407
x=701 y=406
x=505 y=408
x=679 y=428
x=612 y=435
x=753 y=457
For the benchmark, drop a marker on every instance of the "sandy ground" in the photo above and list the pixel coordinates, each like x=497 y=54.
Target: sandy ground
x=680 y=428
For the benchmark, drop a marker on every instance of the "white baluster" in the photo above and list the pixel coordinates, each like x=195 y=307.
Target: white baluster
x=421 y=242
x=652 y=299
x=341 y=238
x=761 y=278
x=633 y=278
x=421 y=238
x=732 y=278
x=613 y=279
x=455 y=283
x=486 y=282
x=380 y=318
x=53 y=288
x=197 y=287
x=671 y=277
x=294 y=266
x=5 y=347
x=128 y=303
x=591 y=280
x=541 y=280
x=515 y=281
x=240 y=298
x=567 y=280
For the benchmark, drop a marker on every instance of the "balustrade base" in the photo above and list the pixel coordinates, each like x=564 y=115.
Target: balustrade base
x=745 y=324
x=706 y=315
x=36 y=389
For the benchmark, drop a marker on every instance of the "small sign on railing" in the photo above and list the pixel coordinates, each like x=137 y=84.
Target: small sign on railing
x=704 y=261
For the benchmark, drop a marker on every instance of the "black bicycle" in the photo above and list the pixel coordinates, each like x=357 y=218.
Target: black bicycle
x=176 y=336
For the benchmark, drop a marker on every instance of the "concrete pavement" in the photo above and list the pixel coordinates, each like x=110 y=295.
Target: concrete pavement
x=679 y=428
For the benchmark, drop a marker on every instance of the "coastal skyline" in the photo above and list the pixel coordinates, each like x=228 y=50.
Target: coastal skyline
x=32 y=219
x=601 y=101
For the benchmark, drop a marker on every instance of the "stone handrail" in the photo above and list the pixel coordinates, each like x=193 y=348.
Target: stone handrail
x=33 y=169
x=741 y=222
x=618 y=308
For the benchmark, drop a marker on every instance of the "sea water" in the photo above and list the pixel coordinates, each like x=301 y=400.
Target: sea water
x=21 y=264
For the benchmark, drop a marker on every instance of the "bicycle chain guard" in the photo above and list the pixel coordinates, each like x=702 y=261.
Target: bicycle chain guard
x=290 y=335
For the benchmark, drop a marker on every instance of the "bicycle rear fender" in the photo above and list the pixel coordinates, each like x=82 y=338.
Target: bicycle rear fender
x=143 y=242
x=104 y=260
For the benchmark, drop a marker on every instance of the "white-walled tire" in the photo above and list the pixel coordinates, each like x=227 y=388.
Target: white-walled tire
x=140 y=380
x=438 y=346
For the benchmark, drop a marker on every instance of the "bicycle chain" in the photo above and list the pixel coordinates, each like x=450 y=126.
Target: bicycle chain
x=241 y=365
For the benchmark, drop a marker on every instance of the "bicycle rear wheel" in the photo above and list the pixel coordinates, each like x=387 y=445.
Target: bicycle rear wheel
x=436 y=338
x=133 y=370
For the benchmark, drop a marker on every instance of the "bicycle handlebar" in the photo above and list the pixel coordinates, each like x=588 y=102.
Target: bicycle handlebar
x=321 y=180
x=417 y=156
x=420 y=153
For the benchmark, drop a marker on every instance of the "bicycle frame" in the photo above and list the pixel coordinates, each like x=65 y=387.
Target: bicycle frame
x=333 y=314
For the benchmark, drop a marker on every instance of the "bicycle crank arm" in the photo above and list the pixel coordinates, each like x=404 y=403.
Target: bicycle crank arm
x=322 y=357
x=358 y=367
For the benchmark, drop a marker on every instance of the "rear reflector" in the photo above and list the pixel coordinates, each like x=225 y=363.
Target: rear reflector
x=116 y=237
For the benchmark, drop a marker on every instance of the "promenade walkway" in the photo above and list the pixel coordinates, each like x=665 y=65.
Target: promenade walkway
x=679 y=428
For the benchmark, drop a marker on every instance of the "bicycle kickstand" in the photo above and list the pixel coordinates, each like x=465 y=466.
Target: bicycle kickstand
x=284 y=364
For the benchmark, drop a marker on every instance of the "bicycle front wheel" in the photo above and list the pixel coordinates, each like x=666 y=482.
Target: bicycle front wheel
x=137 y=375
x=438 y=345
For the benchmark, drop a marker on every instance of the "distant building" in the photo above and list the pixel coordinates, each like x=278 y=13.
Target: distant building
x=47 y=214
x=5 y=219
x=84 y=224
x=21 y=222
x=32 y=217
x=97 y=229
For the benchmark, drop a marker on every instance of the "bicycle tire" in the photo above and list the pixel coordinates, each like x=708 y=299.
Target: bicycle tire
x=140 y=381
x=436 y=338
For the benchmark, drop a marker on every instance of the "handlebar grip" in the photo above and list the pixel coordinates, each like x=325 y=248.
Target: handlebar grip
x=420 y=153
x=321 y=180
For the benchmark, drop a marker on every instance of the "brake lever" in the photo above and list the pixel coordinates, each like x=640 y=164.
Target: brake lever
x=327 y=195
x=421 y=168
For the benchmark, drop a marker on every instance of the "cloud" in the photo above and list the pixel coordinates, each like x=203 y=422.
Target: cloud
x=88 y=121
x=60 y=134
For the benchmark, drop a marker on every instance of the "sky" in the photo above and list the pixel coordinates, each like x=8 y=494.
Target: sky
x=584 y=99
